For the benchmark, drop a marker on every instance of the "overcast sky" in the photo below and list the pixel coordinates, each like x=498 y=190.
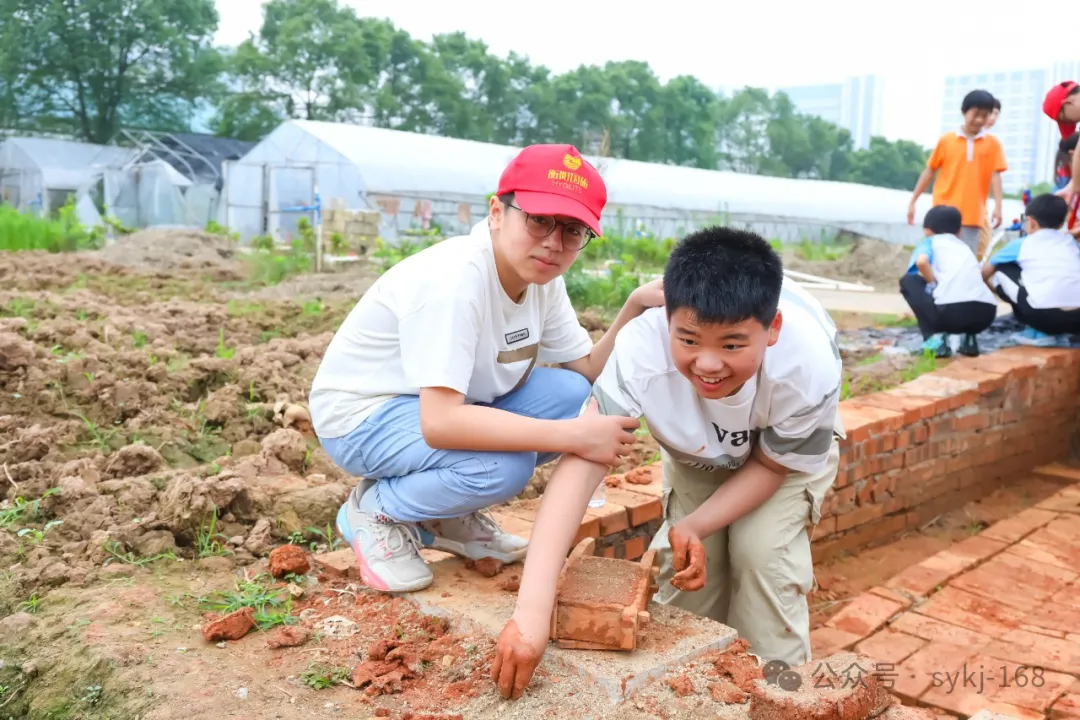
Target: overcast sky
x=911 y=45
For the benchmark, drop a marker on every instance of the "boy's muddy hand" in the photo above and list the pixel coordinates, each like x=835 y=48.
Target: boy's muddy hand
x=688 y=559
x=516 y=658
x=603 y=439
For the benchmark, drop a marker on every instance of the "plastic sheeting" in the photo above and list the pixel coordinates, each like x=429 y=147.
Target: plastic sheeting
x=398 y=172
x=31 y=167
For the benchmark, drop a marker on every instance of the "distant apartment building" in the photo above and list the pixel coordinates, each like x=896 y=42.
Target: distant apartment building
x=856 y=104
x=1029 y=138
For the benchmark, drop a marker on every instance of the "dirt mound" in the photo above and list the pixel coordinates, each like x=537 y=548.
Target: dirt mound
x=873 y=262
x=172 y=249
x=345 y=282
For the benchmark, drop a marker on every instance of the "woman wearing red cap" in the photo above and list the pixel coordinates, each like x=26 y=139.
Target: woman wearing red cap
x=430 y=389
x=1062 y=105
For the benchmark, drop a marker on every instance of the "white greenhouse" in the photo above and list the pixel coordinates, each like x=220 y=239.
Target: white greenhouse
x=39 y=174
x=418 y=180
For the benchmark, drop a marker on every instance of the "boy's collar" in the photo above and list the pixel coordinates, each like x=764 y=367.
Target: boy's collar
x=962 y=133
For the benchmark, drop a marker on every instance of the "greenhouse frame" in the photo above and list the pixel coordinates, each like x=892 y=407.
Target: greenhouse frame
x=156 y=179
x=419 y=181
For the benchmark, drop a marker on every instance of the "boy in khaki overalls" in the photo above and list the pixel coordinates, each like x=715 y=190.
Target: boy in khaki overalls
x=738 y=379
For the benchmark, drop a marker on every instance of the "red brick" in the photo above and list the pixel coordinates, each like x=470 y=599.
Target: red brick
x=955 y=391
x=1037 y=650
x=1012 y=529
x=973 y=612
x=608 y=552
x=1042 y=357
x=1034 y=688
x=929 y=628
x=890 y=646
x=1050 y=547
x=859 y=516
x=859 y=538
x=917 y=673
x=911 y=409
x=987 y=381
x=513 y=524
x=1014 y=580
x=826 y=641
x=1067 y=707
x=1057 y=472
x=861 y=421
x=612 y=516
x=1066 y=500
x=904 y=599
x=635 y=548
x=864 y=615
x=340 y=563
x=640 y=507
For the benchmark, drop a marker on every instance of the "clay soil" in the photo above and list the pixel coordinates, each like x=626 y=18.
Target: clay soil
x=155 y=447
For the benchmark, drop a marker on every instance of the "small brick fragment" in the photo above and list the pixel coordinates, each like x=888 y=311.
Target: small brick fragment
x=289 y=636
x=511 y=584
x=288 y=559
x=231 y=627
x=488 y=567
x=725 y=692
x=378 y=649
x=681 y=685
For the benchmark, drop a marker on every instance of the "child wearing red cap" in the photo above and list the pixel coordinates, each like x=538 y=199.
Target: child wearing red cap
x=430 y=389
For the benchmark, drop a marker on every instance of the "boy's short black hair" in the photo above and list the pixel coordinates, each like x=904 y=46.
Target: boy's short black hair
x=943 y=220
x=997 y=104
x=724 y=275
x=979 y=100
x=1048 y=210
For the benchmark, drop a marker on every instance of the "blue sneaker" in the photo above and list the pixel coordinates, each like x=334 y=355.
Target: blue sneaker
x=1032 y=337
x=387 y=551
x=937 y=345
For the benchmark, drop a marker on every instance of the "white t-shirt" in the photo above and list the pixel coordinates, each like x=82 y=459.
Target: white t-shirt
x=789 y=407
x=440 y=318
x=1049 y=263
x=957 y=270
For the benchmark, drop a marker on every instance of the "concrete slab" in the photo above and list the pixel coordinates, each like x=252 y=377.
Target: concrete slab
x=672 y=637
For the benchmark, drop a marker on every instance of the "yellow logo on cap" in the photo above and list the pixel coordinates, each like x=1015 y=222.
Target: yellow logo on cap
x=571 y=162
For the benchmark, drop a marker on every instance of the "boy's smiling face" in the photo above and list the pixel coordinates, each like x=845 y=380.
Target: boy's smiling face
x=719 y=358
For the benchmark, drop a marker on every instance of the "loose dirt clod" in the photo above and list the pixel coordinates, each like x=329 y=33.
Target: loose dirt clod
x=681 y=685
x=488 y=567
x=288 y=560
x=231 y=627
x=287 y=637
x=511 y=584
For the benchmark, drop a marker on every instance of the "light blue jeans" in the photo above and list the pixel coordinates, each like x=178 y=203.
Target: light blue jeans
x=417 y=483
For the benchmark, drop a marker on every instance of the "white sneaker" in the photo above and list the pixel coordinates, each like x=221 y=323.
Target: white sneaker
x=475 y=536
x=387 y=552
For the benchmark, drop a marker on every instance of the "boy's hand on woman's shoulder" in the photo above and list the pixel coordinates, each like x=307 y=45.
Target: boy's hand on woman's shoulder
x=649 y=295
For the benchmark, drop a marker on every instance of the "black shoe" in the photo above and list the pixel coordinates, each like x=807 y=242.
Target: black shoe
x=943 y=352
x=969 y=346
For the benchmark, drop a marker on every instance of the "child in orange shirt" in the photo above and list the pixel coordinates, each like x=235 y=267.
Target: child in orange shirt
x=967 y=164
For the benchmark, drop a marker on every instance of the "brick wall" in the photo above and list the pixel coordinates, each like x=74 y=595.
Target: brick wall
x=912 y=453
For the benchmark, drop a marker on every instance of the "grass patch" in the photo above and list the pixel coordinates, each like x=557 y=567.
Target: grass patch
x=24 y=231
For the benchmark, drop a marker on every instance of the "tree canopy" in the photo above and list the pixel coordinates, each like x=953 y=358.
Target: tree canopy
x=90 y=67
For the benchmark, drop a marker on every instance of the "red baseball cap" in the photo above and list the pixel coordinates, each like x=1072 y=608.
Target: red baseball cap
x=555 y=180
x=1055 y=100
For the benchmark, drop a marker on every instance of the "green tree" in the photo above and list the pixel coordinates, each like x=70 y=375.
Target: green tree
x=95 y=65
x=888 y=164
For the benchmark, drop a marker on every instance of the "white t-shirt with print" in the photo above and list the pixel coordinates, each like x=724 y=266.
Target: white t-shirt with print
x=1049 y=263
x=440 y=318
x=789 y=407
x=956 y=269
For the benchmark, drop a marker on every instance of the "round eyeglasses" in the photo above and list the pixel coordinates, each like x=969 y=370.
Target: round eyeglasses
x=575 y=235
